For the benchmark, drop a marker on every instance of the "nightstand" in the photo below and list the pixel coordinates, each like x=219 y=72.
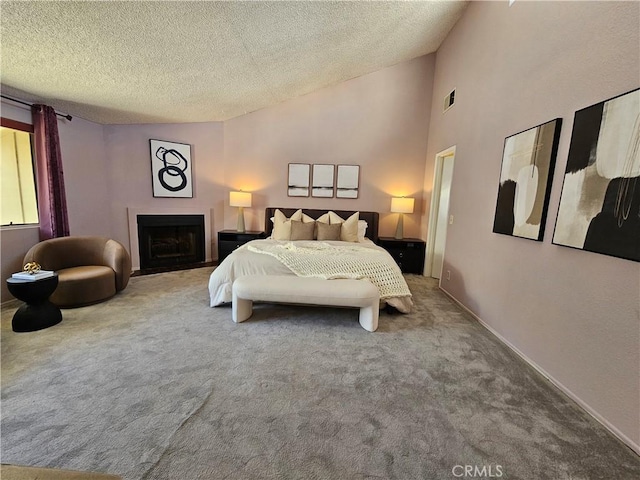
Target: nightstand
x=408 y=253
x=229 y=240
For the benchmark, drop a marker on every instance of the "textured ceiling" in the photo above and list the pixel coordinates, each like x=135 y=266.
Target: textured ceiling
x=158 y=62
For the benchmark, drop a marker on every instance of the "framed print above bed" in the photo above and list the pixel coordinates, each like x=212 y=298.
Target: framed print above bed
x=599 y=207
x=528 y=161
x=348 y=181
x=171 y=169
x=322 y=183
x=298 y=180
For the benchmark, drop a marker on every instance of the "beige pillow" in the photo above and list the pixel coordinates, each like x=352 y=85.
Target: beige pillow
x=323 y=218
x=349 y=232
x=326 y=231
x=302 y=230
x=282 y=225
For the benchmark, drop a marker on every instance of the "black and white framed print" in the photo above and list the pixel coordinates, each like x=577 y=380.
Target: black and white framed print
x=528 y=162
x=322 y=182
x=599 y=207
x=298 y=180
x=171 y=169
x=348 y=181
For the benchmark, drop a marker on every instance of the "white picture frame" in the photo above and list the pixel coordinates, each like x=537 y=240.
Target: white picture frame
x=323 y=181
x=348 y=181
x=298 y=180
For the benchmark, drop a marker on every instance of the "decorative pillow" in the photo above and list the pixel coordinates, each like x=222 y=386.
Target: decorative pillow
x=362 y=230
x=282 y=225
x=323 y=218
x=349 y=232
x=302 y=230
x=307 y=219
x=328 y=232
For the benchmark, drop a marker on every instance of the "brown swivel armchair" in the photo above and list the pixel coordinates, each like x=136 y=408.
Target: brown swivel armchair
x=90 y=269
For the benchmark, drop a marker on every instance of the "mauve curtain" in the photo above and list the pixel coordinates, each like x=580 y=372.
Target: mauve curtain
x=52 y=201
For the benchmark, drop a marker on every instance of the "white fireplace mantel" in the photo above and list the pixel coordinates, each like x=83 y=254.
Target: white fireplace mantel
x=133 y=212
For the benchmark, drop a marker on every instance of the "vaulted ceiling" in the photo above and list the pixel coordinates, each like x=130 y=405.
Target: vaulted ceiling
x=182 y=61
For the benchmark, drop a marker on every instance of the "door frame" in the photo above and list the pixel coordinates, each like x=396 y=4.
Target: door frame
x=435 y=205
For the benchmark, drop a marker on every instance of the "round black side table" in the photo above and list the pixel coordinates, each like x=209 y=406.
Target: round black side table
x=37 y=312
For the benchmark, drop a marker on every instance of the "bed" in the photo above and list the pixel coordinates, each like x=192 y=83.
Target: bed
x=314 y=258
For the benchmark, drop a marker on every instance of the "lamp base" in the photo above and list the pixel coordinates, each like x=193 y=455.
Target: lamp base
x=240 y=227
x=399 y=229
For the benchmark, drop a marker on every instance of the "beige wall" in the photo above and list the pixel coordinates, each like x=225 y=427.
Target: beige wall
x=86 y=176
x=378 y=121
x=14 y=244
x=575 y=314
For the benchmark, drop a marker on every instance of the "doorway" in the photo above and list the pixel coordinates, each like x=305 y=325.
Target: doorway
x=439 y=217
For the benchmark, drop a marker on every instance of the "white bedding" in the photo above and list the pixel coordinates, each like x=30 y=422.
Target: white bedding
x=244 y=261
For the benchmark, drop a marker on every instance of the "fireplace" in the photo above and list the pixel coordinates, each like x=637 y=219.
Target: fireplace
x=170 y=240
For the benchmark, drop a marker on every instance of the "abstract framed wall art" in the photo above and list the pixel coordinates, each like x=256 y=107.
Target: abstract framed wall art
x=599 y=207
x=322 y=182
x=528 y=161
x=171 y=169
x=298 y=180
x=348 y=181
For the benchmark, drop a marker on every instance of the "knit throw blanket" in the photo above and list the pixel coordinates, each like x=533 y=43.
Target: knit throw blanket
x=323 y=260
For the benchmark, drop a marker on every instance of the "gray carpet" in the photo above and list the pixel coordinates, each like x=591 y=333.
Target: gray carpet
x=154 y=384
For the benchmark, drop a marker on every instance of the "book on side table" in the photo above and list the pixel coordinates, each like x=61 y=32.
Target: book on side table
x=33 y=276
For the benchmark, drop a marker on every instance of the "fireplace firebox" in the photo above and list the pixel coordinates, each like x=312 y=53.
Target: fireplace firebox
x=170 y=240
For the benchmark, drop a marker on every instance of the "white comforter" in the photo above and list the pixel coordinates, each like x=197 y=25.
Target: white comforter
x=244 y=261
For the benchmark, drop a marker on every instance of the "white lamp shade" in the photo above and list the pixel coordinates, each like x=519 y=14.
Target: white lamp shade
x=402 y=205
x=239 y=199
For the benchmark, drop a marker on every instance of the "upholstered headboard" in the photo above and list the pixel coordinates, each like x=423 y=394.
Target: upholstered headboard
x=370 y=217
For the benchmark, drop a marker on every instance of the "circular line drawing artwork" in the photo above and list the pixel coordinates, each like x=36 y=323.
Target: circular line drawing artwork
x=171 y=169
x=174 y=166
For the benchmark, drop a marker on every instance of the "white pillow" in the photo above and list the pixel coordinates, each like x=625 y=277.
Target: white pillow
x=362 y=230
x=349 y=230
x=305 y=218
x=282 y=224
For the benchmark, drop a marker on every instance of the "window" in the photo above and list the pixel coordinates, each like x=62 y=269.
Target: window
x=18 y=202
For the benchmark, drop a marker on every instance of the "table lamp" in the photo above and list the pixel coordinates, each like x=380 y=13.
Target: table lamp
x=401 y=205
x=240 y=200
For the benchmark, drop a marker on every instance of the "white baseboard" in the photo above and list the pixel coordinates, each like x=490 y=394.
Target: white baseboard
x=613 y=429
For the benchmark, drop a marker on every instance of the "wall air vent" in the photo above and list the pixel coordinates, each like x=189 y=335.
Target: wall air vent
x=449 y=100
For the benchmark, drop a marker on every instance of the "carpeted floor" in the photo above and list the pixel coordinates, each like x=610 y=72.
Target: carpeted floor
x=154 y=384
